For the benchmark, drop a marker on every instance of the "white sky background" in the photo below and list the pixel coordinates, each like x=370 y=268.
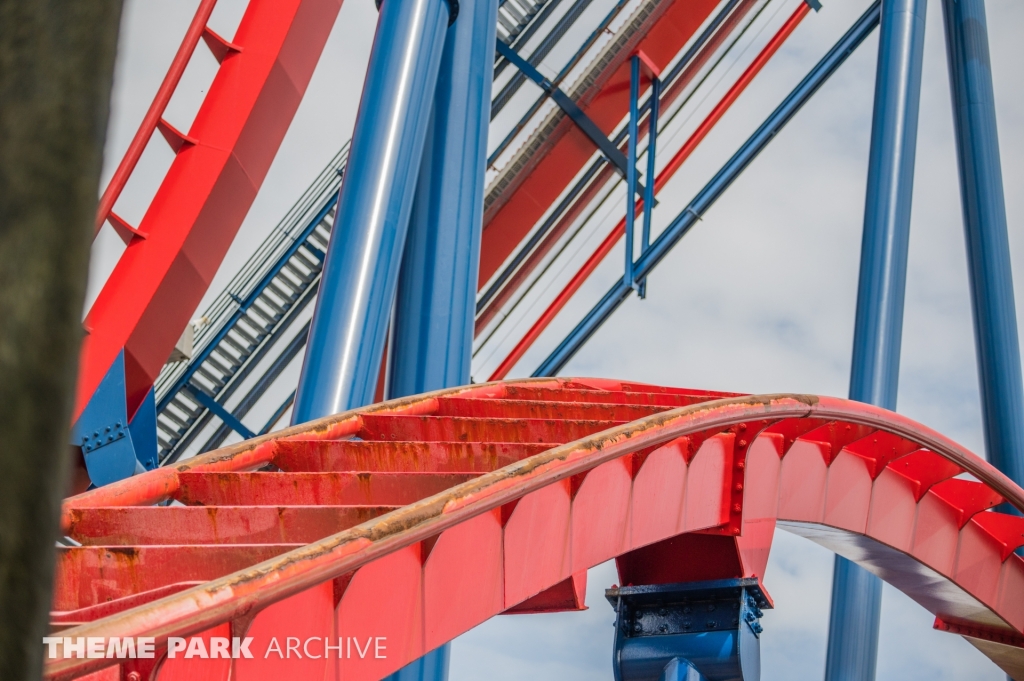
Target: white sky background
x=759 y=297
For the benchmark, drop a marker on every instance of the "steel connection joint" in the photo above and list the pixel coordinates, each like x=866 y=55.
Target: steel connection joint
x=708 y=630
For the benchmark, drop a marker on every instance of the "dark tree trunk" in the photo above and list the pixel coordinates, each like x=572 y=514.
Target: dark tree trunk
x=56 y=68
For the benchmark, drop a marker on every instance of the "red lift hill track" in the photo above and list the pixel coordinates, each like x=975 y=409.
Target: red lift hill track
x=419 y=518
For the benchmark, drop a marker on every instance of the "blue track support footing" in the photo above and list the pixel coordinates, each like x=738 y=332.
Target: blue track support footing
x=103 y=431
x=692 y=631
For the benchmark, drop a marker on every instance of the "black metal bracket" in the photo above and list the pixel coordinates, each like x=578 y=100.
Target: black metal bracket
x=710 y=627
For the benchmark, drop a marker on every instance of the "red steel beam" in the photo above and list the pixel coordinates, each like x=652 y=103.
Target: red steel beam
x=164 y=482
x=193 y=218
x=609 y=242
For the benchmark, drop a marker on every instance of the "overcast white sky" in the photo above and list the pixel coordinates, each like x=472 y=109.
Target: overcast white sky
x=758 y=298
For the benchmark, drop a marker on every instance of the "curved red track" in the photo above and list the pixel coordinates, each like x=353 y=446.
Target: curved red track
x=420 y=518
x=219 y=165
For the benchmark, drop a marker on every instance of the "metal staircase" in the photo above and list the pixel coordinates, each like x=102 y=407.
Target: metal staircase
x=241 y=328
x=236 y=342
x=514 y=16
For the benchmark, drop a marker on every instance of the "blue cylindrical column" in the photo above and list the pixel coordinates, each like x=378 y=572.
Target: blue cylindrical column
x=633 y=131
x=988 y=247
x=874 y=375
x=432 y=340
x=853 y=623
x=346 y=340
x=431 y=667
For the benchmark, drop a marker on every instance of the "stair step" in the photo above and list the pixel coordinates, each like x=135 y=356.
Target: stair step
x=532 y=409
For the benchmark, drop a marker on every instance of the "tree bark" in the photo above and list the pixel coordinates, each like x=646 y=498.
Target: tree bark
x=56 y=70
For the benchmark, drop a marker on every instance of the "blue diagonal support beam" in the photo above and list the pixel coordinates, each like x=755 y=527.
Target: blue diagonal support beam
x=218 y=409
x=571 y=109
x=360 y=275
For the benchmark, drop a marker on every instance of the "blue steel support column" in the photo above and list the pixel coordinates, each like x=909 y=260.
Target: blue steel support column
x=988 y=248
x=874 y=376
x=346 y=340
x=432 y=338
x=652 y=147
x=634 y=120
x=436 y=303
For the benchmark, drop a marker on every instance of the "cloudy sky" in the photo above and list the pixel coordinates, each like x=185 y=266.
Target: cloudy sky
x=758 y=298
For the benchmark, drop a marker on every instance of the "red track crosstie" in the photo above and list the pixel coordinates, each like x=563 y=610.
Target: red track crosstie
x=420 y=518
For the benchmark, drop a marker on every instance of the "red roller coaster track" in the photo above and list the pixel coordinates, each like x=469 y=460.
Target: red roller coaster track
x=173 y=254
x=420 y=518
